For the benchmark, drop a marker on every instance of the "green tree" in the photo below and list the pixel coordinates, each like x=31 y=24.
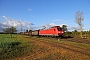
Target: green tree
x=27 y=31
x=10 y=31
x=64 y=27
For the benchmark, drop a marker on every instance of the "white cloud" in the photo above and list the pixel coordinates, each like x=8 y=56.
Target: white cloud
x=29 y=9
x=71 y=28
x=3 y=16
x=48 y=25
x=16 y=23
x=10 y=22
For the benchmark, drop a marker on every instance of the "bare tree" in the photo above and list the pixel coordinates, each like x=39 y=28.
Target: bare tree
x=79 y=18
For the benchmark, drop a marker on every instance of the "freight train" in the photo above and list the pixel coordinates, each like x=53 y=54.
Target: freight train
x=55 y=31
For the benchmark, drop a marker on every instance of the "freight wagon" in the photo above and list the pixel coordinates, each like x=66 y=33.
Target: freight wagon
x=35 y=33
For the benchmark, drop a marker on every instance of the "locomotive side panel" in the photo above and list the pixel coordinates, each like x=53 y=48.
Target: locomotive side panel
x=53 y=31
x=48 y=32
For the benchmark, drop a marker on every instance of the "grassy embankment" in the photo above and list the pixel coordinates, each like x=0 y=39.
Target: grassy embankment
x=14 y=47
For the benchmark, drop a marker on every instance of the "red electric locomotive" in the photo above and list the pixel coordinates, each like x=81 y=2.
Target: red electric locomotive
x=53 y=31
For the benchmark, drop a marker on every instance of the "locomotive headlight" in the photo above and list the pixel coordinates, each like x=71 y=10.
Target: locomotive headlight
x=62 y=32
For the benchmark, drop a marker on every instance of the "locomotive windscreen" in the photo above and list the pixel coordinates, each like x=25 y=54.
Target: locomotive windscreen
x=59 y=29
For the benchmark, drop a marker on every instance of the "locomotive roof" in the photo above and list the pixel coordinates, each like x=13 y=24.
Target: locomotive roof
x=55 y=26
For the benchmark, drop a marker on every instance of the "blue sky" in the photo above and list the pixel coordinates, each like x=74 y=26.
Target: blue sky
x=41 y=12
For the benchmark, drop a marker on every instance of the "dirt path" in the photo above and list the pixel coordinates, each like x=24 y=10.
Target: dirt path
x=45 y=50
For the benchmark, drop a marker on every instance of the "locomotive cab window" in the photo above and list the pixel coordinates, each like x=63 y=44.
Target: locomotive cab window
x=59 y=29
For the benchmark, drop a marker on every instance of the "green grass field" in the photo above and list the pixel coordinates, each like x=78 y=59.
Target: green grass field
x=13 y=47
x=21 y=46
